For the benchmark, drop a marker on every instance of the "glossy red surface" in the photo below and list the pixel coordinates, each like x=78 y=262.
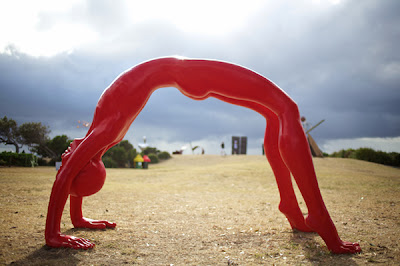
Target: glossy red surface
x=285 y=143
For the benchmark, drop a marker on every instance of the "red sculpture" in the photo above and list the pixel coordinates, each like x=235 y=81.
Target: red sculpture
x=83 y=173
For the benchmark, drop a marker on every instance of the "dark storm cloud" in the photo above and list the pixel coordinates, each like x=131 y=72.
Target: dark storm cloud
x=340 y=64
x=39 y=87
x=362 y=72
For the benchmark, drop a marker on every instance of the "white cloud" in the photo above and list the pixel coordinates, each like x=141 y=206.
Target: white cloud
x=19 y=27
x=205 y=17
x=45 y=28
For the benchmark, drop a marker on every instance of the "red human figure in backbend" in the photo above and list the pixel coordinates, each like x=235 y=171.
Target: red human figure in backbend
x=83 y=173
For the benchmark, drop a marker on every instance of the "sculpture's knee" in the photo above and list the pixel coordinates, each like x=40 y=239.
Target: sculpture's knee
x=90 y=179
x=291 y=133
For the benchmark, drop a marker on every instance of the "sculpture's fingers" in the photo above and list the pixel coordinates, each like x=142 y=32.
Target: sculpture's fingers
x=87 y=244
x=77 y=243
x=82 y=243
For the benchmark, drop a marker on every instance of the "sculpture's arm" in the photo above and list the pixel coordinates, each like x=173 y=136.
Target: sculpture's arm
x=81 y=222
x=73 y=161
x=54 y=238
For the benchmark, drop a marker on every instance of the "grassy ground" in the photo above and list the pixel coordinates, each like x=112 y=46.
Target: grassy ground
x=204 y=210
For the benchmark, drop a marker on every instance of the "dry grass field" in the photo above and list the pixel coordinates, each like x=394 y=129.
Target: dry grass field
x=204 y=210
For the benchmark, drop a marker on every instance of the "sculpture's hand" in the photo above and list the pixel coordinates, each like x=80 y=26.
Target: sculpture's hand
x=93 y=224
x=67 y=241
x=81 y=222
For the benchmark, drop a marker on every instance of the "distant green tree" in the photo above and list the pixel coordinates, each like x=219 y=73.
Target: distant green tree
x=121 y=155
x=31 y=134
x=153 y=158
x=164 y=155
x=53 y=148
x=59 y=144
x=130 y=151
x=395 y=158
x=368 y=154
x=156 y=154
x=150 y=150
x=109 y=162
x=9 y=134
x=126 y=145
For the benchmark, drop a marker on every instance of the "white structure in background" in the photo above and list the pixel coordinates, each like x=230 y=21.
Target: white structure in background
x=143 y=145
x=315 y=150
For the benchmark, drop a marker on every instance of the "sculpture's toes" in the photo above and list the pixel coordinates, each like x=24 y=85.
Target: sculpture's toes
x=347 y=247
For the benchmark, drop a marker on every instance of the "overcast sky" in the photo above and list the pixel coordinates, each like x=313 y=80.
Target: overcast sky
x=339 y=60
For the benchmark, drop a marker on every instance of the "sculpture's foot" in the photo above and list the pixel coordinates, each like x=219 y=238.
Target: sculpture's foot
x=93 y=224
x=327 y=231
x=67 y=241
x=295 y=218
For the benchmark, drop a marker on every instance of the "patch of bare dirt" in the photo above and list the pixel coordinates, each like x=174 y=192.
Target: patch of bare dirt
x=204 y=210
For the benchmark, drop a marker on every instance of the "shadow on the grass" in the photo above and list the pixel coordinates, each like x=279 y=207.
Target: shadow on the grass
x=317 y=254
x=55 y=256
x=50 y=256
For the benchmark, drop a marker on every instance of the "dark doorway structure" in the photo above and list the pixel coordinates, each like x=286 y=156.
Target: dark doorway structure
x=239 y=145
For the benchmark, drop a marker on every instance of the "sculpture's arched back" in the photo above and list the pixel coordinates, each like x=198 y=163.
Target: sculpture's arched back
x=285 y=142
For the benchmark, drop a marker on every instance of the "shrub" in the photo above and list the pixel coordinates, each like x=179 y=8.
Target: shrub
x=366 y=154
x=164 y=155
x=18 y=159
x=155 y=155
x=370 y=155
x=395 y=158
x=150 y=150
x=43 y=162
x=109 y=162
x=120 y=156
x=153 y=158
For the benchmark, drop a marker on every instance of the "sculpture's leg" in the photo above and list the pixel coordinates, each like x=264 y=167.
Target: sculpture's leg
x=240 y=86
x=296 y=154
x=76 y=204
x=288 y=205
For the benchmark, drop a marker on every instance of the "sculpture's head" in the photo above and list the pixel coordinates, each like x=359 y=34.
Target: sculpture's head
x=90 y=179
